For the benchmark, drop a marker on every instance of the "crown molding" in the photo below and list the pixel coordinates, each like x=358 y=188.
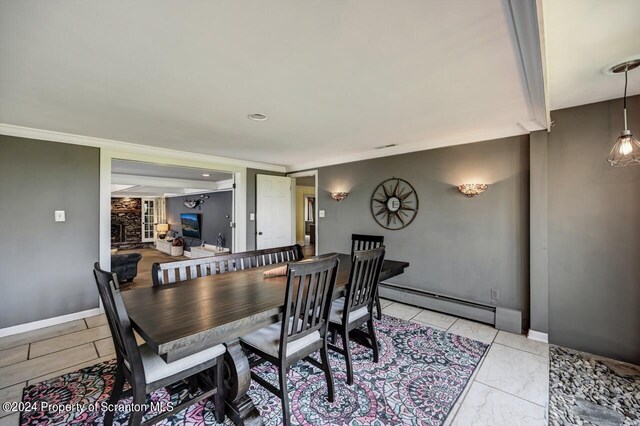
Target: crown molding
x=490 y=134
x=51 y=136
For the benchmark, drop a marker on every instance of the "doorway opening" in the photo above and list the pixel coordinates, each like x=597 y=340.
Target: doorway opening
x=306 y=211
x=162 y=213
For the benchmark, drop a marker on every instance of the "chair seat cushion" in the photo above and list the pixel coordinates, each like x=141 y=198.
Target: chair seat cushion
x=337 y=311
x=155 y=368
x=267 y=340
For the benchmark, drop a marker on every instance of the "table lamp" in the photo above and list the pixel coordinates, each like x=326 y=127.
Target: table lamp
x=162 y=229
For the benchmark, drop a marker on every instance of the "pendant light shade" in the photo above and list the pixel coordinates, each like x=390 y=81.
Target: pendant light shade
x=626 y=151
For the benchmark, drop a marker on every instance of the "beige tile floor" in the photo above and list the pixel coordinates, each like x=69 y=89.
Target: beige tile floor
x=511 y=384
x=509 y=387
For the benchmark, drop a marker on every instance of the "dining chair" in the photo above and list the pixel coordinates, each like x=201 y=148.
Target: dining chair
x=145 y=370
x=348 y=313
x=368 y=242
x=303 y=329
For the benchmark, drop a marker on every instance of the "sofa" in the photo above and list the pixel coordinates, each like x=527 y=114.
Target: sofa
x=125 y=266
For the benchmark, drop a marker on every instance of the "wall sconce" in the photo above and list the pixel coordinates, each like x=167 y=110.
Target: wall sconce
x=339 y=196
x=162 y=229
x=472 y=189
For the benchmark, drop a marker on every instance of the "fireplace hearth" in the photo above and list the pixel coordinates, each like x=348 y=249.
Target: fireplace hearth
x=117 y=233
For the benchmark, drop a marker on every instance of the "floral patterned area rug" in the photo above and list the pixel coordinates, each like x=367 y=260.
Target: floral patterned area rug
x=418 y=379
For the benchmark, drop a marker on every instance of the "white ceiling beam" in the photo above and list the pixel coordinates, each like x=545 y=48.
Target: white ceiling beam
x=164 y=182
x=225 y=184
x=141 y=186
x=526 y=20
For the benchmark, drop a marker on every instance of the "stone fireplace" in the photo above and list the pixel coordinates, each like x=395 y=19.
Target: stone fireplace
x=126 y=222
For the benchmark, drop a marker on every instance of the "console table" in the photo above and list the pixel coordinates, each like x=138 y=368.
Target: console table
x=207 y=250
x=168 y=248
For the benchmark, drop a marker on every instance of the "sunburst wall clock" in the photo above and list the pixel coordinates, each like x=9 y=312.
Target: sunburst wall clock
x=394 y=204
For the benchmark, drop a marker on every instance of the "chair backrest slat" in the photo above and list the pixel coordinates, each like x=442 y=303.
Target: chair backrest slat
x=363 y=280
x=298 y=308
x=173 y=272
x=361 y=242
x=308 y=298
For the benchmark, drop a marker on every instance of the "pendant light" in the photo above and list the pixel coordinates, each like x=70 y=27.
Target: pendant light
x=626 y=151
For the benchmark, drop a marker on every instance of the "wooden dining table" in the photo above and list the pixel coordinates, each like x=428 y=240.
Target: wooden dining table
x=181 y=319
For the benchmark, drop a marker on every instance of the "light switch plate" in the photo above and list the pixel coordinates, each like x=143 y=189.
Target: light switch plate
x=252 y=216
x=321 y=213
x=495 y=294
x=59 y=216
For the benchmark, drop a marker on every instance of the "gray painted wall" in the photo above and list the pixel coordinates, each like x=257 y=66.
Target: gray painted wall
x=457 y=246
x=538 y=234
x=594 y=233
x=251 y=203
x=46 y=267
x=214 y=216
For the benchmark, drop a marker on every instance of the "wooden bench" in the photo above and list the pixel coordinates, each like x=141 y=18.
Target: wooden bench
x=172 y=272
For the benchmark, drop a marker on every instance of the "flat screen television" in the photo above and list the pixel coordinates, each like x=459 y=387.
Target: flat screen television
x=191 y=225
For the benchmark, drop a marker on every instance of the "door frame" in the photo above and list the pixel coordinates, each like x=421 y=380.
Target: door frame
x=143 y=223
x=151 y=155
x=313 y=173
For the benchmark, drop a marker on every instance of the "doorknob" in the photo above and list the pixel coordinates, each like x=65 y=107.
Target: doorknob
x=259 y=233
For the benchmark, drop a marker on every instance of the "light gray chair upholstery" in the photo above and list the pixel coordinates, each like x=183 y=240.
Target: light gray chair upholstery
x=267 y=340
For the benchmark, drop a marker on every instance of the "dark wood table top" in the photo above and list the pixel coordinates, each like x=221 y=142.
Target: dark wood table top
x=178 y=319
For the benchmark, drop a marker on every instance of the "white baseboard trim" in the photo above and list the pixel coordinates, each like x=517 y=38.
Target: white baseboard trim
x=30 y=326
x=536 y=335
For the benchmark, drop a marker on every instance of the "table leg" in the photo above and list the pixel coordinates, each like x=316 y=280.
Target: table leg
x=237 y=379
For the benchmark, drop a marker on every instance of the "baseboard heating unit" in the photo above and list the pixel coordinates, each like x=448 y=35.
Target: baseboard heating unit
x=502 y=318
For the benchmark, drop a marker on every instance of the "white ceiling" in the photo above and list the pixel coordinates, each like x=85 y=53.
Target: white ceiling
x=139 y=179
x=337 y=78
x=157 y=191
x=125 y=167
x=584 y=36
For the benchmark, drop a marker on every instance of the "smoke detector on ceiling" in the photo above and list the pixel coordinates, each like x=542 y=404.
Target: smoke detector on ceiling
x=257 y=117
x=386 y=146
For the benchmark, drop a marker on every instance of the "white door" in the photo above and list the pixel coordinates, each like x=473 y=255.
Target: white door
x=273 y=212
x=148 y=219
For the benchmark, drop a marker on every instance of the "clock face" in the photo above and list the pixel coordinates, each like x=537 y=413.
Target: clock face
x=394 y=204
